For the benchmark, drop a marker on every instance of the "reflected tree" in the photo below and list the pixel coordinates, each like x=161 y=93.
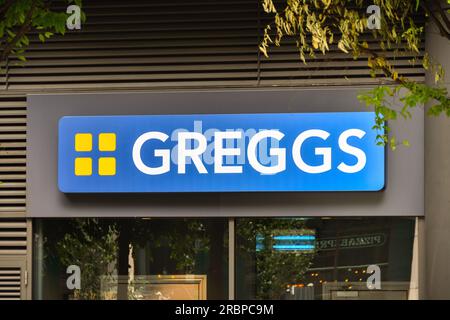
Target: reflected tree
x=90 y=244
x=102 y=246
x=275 y=269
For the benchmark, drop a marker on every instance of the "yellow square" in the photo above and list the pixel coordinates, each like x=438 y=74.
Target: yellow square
x=107 y=166
x=83 y=142
x=107 y=142
x=83 y=166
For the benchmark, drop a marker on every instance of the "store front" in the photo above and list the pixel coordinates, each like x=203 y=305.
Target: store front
x=296 y=201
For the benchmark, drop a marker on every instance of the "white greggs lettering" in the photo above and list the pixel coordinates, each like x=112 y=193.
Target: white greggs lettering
x=193 y=155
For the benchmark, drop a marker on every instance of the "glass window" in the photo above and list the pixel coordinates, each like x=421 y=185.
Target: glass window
x=283 y=258
x=130 y=259
x=324 y=258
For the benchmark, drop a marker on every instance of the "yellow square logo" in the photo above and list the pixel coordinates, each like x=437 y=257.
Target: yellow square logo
x=107 y=142
x=83 y=142
x=107 y=166
x=83 y=166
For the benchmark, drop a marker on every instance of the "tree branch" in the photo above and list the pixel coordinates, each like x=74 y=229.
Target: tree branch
x=10 y=45
x=388 y=72
x=5 y=7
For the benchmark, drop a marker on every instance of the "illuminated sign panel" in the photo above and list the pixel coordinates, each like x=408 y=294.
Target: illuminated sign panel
x=220 y=153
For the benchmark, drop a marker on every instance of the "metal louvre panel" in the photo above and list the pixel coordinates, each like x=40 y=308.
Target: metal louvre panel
x=2 y=76
x=12 y=157
x=147 y=44
x=335 y=68
x=284 y=67
x=15 y=249
x=10 y=283
x=141 y=44
x=13 y=236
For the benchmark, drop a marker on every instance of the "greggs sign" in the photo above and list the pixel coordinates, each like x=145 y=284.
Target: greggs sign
x=220 y=153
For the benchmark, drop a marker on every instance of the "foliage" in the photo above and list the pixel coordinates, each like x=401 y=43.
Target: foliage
x=20 y=18
x=275 y=270
x=91 y=245
x=186 y=241
x=186 y=238
x=318 y=24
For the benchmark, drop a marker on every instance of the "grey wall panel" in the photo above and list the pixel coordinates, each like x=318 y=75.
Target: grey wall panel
x=403 y=195
x=437 y=183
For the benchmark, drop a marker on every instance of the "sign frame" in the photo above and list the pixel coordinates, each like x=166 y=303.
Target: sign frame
x=404 y=188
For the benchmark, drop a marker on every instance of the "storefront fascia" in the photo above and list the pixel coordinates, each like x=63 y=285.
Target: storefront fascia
x=401 y=194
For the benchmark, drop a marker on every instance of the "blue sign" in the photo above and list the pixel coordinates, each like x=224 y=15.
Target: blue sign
x=220 y=153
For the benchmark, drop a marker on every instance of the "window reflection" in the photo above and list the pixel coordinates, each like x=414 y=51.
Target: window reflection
x=323 y=258
x=132 y=258
x=283 y=258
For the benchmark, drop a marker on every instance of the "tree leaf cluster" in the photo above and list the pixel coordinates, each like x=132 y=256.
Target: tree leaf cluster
x=318 y=25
